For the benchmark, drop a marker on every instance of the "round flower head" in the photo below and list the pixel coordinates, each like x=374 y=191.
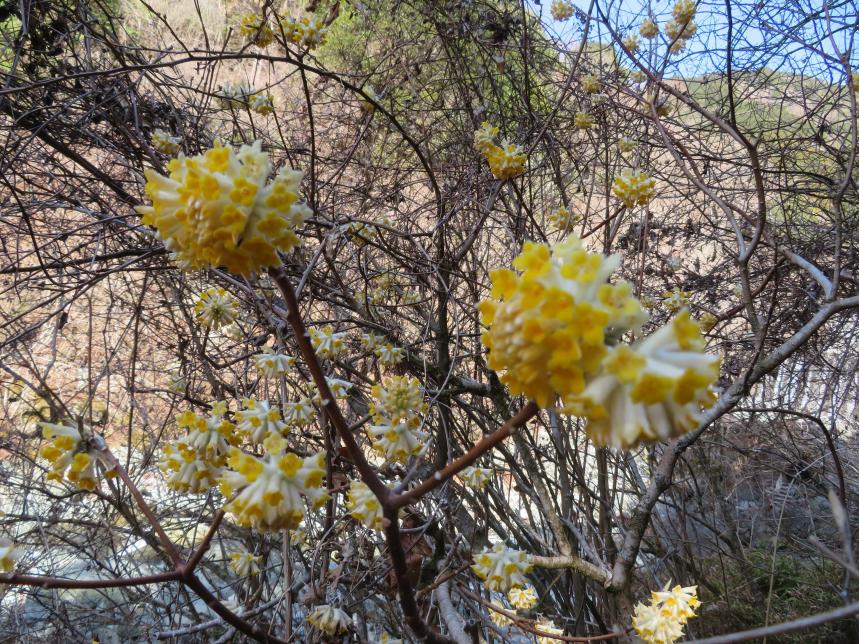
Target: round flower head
x=364 y=506
x=9 y=556
x=652 y=390
x=389 y=355
x=186 y=470
x=262 y=103
x=681 y=602
x=522 y=598
x=561 y=10
x=648 y=29
x=70 y=456
x=302 y=412
x=339 y=389
x=583 y=121
x=329 y=620
x=548 y=324
x=219 y=209
x=326 y=343
x=506 y=161
x=502 y=568
x=707 y=321
x=484 y=137
x=209 y=436
x=306 y=31
x=499 y=619
x=549 y=629
x=256 y=31
x=633 y=187
x=562 y=218
x=258 y=418
x=625 y=145
x=396 y=441
x=233 y=95
x=271 y=363
x=476 y=477
x=684 y=11
x=166 y=144
x=215 y=308
x=675 y=299
x=655 y=625
x=371 y=341
x=401 y=399
x=244 y=563
x=590 y=84
x=632 y=43
x=268 y=490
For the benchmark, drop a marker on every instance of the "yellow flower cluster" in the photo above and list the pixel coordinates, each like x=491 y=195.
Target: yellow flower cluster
x=306 y=31
x=583 y=121
x=476 y=477
x=339 y=389
x=563 y=219
x=301 y=412
x=326 y=342
x=9 y=556
x=262 y=103
x=561 y=10
x=218 y=209
x=329 y=620
x=389 y=355
x=364 y=506
x=675 y=299
x=371 y=341
x=233 y=95
x=662 y=621
x=548 y=628
x=166 y=144
x=268 y=490
x=397 y=413
x=502 y=568
x=271 y=363
x=625 y=145
x=522 y=598
x=684 y=11
x=648 y=29
x=634 y=187
x=258 y=418
x=590 y=84
x=70 y=456
x=632 y=43
x=215 y=308
x=256 y=31
x=506 y=160
x=193 y=462
x=244 y=563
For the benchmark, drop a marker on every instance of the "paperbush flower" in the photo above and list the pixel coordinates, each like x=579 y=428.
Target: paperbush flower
x=633 y=187
x=166 y=144
x=262 y=103
x=268 y=491
x=684 y=11
x=561 y=10
x=209 y=436
x=680 y=31
x=329 y=620
x=707 y=321
x=522 y=598
x=219 y=209
x=484 y=137
x=506 y=160
x=371 y=341
x=680 y=602
x=9 y=556
x=233 y=95
x=590 y=84
x=216 y=308
x=651 y=390
x=389 y=355
x=548 y=628
x=256 y=31
x=648 y=29
x=502 y=568
x=476 y=477
x=396 y=441
x=244 y=563
x=70 y=455
x=661 y=622
x=500 y=619
x=258 y=418
x=675 y=299
x=339 y=389
x=632 y=43
x=186 y=471
x=364 y=506
x=548 y=323
x=271 y=363
x=583 y=121
x=326 y=342
x=301 y=412
x=563 y=218
x=401 y=399
x=305 y=32
x=177 y=384
x=625 y=145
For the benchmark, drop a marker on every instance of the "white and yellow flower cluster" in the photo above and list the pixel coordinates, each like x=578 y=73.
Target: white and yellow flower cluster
x=397 y=412
x=9 y=556
x=561 y=10
x=583 y=121
x=234 y=95
x=166 y=144
x=681 y=28
x=329 y=620
x=476 y=477
x=220 y=209
x=193 y=462
x=268 y=490
x=634 y=188
x=662 y=621
x=326 y=342
x=364 y=506
x=299 y=413
x=215 y=308
x=271 y=363
x=590 y=84
x=506 y=160
x=524 y=598
x=306 y=31
x=548 y=628
x=553 y=329
x=502 y=568
x=256 y=30
x=244 y=564
x=648 y=29
x=258 y=418
x=262 y=103
x=70 y=455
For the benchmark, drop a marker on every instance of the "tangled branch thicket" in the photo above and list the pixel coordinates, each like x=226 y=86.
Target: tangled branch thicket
x=236 y=403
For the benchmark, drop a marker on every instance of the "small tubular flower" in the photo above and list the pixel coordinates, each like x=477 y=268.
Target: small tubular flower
x=256 y=31
x=215 y=308
x=634 y=187
x=583 y=121
x=590 y=84
x=632 y=43
x=233 y=95
x=396 y=441
x=339 y=389
x=364 y=506
x=258 y=418
x=326 y=342
x=684 y=11
x=306 y=31
x=9 y=556
x=388 y=354
x=498 y=618
x=268 y=491
x=219 y=209
x=654 y=626
x=675 y=299
x=70 y=456
x=166 y=144
x=476 y=477
x=329 y=620
x=301 y=412
x=522 y=598
x=186 y=471
x=625 y=145
x=561 y=10
x=648 y=29
x=209 y=436
x=506 y=161
x=681 y=602
x=547 y=324
x=401 y=399
x=651 y=390
x=371 y=341
x=244 y=563
x=271 y=363
x=502 y=568
x=562 y=218
x=484 y=137
x=548 y=628
x=262 y=103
